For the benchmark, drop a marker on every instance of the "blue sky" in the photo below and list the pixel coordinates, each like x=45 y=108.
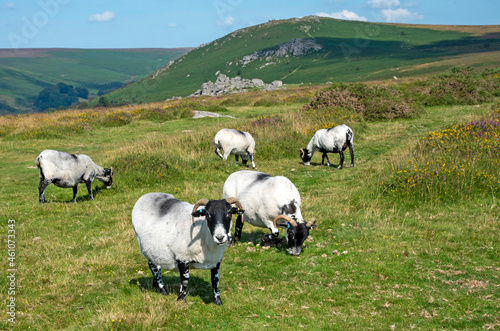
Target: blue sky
x=177 y=23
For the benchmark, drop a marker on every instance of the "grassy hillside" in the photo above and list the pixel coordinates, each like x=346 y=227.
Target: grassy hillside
x=407 y=239
x=352 y=51
x=26 y=72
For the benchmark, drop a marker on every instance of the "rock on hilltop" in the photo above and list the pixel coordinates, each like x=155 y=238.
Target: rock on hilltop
x=295 y=47
x=225 y=85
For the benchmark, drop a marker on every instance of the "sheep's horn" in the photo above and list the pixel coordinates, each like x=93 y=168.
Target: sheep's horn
x=311 y=222
x=201 y=202
x=111 y=169
x=286 y=218
x=233 y=200
x=301 y=152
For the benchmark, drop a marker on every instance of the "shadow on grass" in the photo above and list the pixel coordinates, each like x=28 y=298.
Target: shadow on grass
x=197 y=286
x=255 y=238
x=95 y=191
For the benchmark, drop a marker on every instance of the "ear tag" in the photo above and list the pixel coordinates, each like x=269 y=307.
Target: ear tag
x=288 y=225
x=201 y=210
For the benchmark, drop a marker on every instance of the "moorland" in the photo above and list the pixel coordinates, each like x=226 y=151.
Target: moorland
x=406 y=239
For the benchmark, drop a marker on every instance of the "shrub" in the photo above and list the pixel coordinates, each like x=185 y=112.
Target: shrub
x=458 y=162
x=459 y=86
x=116 y=118
x=371 y=102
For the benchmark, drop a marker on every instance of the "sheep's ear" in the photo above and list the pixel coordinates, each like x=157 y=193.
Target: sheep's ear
x=199 y=212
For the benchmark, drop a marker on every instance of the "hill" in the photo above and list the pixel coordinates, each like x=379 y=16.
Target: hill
x=320 y=50
x=26 y=72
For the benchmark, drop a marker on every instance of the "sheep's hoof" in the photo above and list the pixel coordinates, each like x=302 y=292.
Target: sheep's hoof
x=271 y=241
x=163 y=291
x=182 y=296
x=233 y=240
x=218 y=301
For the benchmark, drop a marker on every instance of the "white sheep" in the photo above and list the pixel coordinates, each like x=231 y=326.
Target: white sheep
x=334 y=140
x=237 y=143
x=68 y=170
x=269 y=202
x=170 y=238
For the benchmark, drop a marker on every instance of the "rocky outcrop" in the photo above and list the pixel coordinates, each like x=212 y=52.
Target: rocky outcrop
x=225 y=85
x=295 y=47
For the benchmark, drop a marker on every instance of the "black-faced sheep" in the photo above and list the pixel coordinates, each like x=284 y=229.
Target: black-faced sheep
x=170 y=238
x=269 y=202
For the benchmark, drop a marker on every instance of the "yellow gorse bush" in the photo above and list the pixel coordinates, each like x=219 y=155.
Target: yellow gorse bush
x=461 y=159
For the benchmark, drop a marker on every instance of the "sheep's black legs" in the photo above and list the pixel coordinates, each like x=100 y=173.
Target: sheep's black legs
x=271 y=237
x=157 y=280
x=351 y=151
x=218 y=153
x=75 y=189
x=184 y=271
x=237 y=230
x=215 y=284
x=237 y=158
x=341 y=160
x=89 y=188
x=41 y=190
x=323 y=159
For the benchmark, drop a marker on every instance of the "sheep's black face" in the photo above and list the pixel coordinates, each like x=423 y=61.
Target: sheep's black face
x=108 y=177
x=218 y=214
x=305 y=155
x=295 y=236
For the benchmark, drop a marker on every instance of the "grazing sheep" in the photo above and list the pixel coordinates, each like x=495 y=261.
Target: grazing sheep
x=170 y=238
x=334 y=140
x=68 y=170
x=269 y=202
x=237 y=143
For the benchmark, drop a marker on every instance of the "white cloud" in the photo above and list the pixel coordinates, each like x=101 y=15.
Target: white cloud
x=383 y=3
x=10 y=5
x=104 y=17
x=344 y=15
x=400 y=15
x=172 y=25
x=228 y=21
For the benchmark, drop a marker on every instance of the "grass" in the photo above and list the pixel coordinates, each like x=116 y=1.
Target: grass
x=378 y=259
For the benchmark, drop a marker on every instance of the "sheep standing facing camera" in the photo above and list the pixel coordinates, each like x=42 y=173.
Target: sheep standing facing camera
x=170 y=238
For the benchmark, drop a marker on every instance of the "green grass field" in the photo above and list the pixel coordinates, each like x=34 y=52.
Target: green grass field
x=388 y=252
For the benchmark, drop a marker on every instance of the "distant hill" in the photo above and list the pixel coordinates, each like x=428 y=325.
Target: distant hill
x=319 y=50
x=26 y=72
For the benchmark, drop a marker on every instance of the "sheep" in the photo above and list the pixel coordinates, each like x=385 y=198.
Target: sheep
x=237 y=143
x=170 y=238
x=334 y=140
x=269 y=202
x=68 y=170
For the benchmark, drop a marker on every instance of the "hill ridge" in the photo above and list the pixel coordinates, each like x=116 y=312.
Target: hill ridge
x=351 y=51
